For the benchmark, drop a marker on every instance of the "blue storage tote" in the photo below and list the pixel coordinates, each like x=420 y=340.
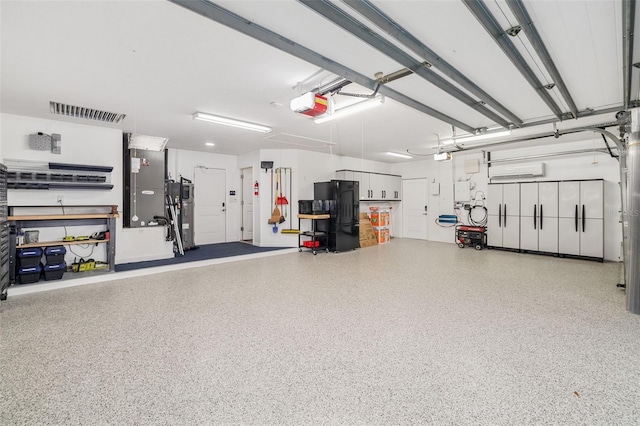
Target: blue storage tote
x=54 y=271
x=29 y=257
x=55 y=254
x=30 y=274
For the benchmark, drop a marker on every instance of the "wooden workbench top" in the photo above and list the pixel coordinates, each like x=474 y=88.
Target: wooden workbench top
x=314 y=216
x=64 y=216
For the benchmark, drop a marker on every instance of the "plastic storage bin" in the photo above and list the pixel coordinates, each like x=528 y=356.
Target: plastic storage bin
x=55 y=254
x=30 y=257
x=54 y=271
x=29 y=275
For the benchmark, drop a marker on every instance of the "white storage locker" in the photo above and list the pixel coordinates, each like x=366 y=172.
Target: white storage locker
x=581 y=222
x=503 y=222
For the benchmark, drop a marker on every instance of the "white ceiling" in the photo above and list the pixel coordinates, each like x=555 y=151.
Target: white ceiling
x=159 y=63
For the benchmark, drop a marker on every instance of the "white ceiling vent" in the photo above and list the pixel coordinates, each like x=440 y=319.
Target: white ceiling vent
x=83 y=112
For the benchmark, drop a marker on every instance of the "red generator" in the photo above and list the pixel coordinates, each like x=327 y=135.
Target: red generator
x=475 y=236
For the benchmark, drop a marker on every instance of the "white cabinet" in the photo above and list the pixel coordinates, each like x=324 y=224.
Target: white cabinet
x=539 y=216
x=581 y=221
x=374 y=186
x=503 y=221
x=395 y=188
x=551 y=217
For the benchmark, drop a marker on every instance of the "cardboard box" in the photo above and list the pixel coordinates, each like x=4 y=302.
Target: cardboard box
x=367 y=236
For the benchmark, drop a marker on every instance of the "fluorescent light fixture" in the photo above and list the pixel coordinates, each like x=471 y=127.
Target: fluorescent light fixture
x=231 y=122
x=210 y=144
x=351 y=109
x=442 y=156
x=397 y=154
x=151 y=143
x=481 y=136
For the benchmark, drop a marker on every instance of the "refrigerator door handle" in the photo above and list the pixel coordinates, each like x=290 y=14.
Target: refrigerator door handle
x=576 y=218
x=499 y=215
x=540 y=216
x=583 y=218
x=535 y=215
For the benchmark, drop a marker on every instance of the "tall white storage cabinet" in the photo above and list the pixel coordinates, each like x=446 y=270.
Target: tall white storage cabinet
x=581 y=222
x=503 y=221
x=539 y=216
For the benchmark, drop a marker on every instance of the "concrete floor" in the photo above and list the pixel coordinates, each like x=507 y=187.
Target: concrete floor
x=409 y=332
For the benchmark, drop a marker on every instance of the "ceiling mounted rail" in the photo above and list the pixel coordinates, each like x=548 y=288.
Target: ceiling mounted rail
x=388 y=25
x=521 y=14
x=581 y=114
x=479 y=10
x=226 y=17
x=348 y=23
x=599 y=128
x=628 y=22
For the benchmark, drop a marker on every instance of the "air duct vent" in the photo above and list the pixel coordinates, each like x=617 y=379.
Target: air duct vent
x=83 y=112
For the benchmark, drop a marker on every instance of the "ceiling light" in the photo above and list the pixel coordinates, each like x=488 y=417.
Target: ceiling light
x=210 y=144
x=231 y=122
x=397 y=154
x=469 y=138
x=351 y=109
x=152 y=143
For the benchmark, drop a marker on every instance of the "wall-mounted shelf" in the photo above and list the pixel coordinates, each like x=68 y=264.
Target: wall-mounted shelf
x=59 y=243
x=32 y=175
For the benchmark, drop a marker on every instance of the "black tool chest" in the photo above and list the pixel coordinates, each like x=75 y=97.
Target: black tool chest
x=4 y=234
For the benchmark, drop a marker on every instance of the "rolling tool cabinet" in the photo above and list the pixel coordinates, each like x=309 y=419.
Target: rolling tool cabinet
x=314 y=240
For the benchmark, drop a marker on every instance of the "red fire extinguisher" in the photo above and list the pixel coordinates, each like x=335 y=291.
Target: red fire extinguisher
x=256 y=189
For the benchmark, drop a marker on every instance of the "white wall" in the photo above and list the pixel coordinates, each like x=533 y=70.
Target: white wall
x=308 y=167
x=556 y=168
x=184 y=163
x=81 y=144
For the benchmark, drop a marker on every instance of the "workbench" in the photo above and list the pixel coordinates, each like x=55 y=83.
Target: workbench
x=17 y=222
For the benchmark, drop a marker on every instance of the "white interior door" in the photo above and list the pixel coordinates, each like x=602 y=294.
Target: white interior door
x=247 y=204
x=210 y=206
x=414 y=207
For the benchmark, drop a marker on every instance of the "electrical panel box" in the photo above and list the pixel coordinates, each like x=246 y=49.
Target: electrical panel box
x=462 y=191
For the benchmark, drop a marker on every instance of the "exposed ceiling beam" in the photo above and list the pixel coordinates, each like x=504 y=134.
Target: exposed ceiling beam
x=479 y=10
x=628 y=23
x=521 y=14
x=383 y=21
x=348 y=23
x=226 y=17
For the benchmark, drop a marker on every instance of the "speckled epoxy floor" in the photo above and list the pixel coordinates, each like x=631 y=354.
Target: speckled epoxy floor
x=406 y=333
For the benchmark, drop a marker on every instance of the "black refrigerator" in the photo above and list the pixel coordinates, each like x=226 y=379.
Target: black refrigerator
x=343 y=228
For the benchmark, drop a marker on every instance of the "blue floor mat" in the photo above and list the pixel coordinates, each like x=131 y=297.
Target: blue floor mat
x=205 y=252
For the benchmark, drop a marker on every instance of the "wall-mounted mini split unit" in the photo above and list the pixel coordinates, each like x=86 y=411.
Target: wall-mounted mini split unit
x=516 y=171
